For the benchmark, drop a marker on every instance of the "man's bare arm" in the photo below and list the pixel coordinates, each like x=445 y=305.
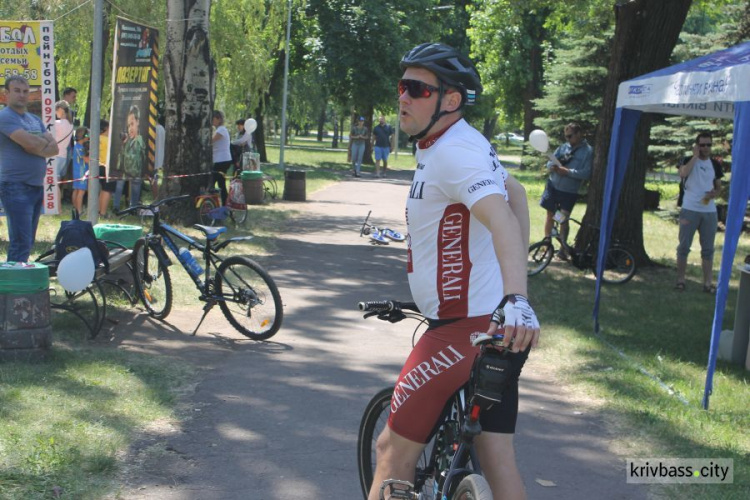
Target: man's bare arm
x=39 y=145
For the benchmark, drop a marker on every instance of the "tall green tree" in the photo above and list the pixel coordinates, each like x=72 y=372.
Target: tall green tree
x=646 y=31
x=361 y=42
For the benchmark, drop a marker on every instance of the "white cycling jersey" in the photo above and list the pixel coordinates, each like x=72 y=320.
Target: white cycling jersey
x=452 y=266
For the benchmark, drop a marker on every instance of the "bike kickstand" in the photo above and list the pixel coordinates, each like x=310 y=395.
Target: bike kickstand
x=206 y=309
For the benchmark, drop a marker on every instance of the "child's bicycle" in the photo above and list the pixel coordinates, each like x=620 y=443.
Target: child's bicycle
x=449 y=466
x=379 y=235
x=211 y=210
x=244 y=291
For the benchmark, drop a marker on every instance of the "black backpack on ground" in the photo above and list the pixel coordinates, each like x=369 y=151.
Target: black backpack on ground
x=75 y=234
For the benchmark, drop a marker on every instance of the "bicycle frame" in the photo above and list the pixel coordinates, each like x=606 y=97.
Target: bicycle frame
x=163 y=232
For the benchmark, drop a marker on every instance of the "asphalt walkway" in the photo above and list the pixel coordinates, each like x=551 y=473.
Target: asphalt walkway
x=278 y=420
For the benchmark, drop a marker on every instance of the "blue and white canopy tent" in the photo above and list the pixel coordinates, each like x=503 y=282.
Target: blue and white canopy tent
x=717 y=86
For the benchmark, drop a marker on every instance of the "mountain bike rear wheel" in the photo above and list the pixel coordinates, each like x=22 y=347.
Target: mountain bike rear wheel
x=540 y=255
x=473 y=487
x=249 y=298
x=152 y=282
x=619 y=265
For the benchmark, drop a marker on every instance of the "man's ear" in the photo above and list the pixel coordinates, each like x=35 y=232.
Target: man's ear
x=452 y=100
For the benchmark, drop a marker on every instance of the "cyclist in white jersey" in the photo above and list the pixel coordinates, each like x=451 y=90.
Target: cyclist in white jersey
x=468 y=238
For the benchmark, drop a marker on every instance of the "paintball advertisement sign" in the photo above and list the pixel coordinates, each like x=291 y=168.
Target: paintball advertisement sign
x=27 y=49
x=133 y=114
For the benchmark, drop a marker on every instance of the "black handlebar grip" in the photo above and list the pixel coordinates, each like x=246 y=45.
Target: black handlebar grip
x=377 y=305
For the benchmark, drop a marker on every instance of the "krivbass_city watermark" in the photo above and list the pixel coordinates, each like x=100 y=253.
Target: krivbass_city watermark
x=680 y=470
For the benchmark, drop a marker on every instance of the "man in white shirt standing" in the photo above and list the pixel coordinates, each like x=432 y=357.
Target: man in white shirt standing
x=700 y=176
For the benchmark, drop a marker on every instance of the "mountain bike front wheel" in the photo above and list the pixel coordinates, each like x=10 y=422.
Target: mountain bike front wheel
x=249 y=298
x=152 y=282
x=473 y=487
x=540 y=255
x=207 y=206
x=619 y=265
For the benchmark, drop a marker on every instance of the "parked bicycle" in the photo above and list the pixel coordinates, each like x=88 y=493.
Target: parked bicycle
x=212 y=211
x=619 y=263
x=449 y=467
x=244 y=291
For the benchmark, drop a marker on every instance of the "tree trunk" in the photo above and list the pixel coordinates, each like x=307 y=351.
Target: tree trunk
x=646 y=32
x=335 y=141
x=368 y=158
x=189 y=85
x=321 y=123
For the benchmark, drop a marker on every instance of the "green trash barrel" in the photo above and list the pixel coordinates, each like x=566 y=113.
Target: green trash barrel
x=252 y=185
x=295 y=188
x=25 y=330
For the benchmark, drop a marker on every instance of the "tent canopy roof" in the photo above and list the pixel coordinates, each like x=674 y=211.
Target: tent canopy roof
x=707 y=86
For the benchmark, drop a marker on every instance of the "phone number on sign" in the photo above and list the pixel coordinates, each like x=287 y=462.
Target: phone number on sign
x=29 y=74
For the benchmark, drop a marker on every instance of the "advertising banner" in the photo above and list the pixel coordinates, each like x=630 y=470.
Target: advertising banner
x=133 y=114
x=26 y=49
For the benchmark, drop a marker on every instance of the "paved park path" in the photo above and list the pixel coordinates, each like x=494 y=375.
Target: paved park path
x=278 y=420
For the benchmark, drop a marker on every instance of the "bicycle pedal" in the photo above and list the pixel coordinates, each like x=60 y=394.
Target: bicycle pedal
x=397 y=489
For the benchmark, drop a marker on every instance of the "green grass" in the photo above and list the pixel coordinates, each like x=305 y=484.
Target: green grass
x=665 y=332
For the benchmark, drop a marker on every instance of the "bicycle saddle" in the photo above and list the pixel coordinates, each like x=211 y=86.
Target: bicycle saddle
x=211 y=232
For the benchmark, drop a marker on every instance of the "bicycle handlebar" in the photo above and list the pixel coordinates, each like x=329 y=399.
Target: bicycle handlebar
x=387 y=306
x=151 y=207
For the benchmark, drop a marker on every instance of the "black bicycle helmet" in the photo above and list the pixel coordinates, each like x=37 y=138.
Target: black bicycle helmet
x=451 y=68
x=449 y=65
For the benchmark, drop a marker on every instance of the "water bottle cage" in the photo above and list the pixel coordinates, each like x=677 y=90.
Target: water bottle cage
x=489 y=376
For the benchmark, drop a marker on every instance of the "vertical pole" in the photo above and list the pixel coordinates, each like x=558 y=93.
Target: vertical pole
x=96 y=102
x=286 y=81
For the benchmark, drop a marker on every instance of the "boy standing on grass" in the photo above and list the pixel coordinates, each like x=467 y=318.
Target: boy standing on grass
x=80 y=167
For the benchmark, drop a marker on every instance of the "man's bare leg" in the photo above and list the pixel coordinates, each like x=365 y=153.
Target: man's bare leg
x=396 y=459
x=498 y=460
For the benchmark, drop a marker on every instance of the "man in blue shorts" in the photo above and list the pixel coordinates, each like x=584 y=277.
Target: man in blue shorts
x=573 y=164
x=381 y=136
x=25 y=145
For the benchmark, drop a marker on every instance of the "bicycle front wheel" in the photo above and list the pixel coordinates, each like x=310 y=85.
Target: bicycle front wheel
x=249 y=298
x=152 y=282
x=374 y=420
x=239 y=216
x=619 y=266
x=206 y=207
x=473 y=487
x=540 y=255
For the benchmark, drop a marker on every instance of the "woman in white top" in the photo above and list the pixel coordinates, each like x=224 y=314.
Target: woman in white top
x=222 y=154
x=63 y=132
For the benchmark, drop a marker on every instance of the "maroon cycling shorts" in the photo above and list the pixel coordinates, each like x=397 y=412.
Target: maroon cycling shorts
x=437 y=367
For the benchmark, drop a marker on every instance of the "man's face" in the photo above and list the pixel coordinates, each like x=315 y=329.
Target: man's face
x=381 y=120
x=415 y=113
x=704 y=147
x=573 y=138
x=71 y=97
x=18 y=96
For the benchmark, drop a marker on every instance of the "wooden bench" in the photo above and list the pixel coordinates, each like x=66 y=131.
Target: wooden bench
x=90 y=305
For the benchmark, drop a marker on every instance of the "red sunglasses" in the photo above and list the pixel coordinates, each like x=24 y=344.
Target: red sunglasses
x=415 y=88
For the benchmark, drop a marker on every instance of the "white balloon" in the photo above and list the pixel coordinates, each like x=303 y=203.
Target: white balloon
x=250 y=125
x=539 y=140
x=76 y=270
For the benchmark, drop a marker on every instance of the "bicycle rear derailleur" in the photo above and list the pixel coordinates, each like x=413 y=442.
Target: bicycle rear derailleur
x=397 y=489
